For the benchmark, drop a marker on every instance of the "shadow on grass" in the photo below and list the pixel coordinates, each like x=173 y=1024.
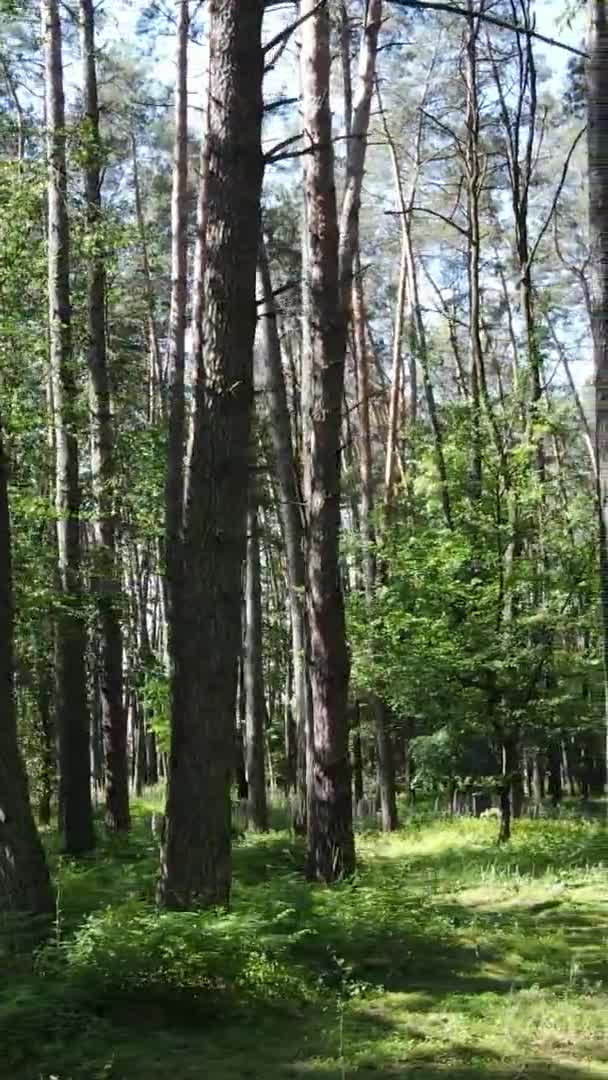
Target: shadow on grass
x=398 y=926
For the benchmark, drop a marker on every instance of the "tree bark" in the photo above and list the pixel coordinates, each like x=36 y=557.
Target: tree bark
x=331 y=850
x=106 y=581
x=597 y=128
x=206 y=638
x=177 y=317
x=24 y=879
x=291 y=514
x=253 y=674
x=72 y=709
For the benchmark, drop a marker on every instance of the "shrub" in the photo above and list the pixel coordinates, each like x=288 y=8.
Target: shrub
x=214 y=960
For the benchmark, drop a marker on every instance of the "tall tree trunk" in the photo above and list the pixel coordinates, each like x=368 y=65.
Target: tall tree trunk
x=331 y=850
x=24 y=878
x=253 y=673
x=597 y=127
x=45 y=719
x=196 y=864
x=72 y=710
x=177 y=317
x=357 y=754
x=291 y=514
x=107 y=582
x=155 y=379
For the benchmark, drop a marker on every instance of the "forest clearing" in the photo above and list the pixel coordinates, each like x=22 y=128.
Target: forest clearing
x=303 y=539
x=445 y=957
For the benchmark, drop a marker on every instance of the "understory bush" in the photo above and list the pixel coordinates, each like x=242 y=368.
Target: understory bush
x=214 y=959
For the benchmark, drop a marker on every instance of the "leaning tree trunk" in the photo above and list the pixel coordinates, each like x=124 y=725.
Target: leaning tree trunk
x=291 y=514
x=597 y=127
x=353 y=305
x=253 y=674
x=331 y=851
x=24 y=878
x=72 y=709
x=196 y=863
x=107 y=580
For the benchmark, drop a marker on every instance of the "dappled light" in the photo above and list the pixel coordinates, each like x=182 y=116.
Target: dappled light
x=304 y=540
x=445 y=956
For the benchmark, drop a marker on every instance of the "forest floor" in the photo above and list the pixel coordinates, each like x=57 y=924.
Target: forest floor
x=447 y=957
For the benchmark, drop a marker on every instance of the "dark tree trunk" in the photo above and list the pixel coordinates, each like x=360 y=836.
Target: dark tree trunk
x=106 y=581
x=331 y=849
x=386 y=767
x=47 y=734
x=290 y=734
x=536 y=782
x=138 y=728
x=511 y=794
x=152 y=767
x=196 y=863
x=72 y=708
x=242 y=787
x=253 y=674
x=504 y=832
x=555 y=773
x=24 y=878
x=357 y=755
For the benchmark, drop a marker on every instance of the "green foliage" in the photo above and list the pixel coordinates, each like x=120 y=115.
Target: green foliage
x=447 y=955
x=156 y=701
x=131 y=949
x=462 y=645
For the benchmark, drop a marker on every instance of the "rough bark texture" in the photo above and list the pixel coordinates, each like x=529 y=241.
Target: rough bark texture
x=196 y=853
x=253 y=675
x=24 y=878
x=72 y=710
x=331 y=852
x=597 y=127
x=291 y=514
x=106 y=582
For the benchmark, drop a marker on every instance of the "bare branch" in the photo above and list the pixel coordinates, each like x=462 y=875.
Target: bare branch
x=494 y=20
x=556 y=197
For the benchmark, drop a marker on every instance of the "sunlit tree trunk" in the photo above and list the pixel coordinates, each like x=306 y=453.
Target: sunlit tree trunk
x=106 y=579
x=72 y=708
x=177 y=316
x=331 y=851
x=291 y=514
x=196 y=863
x=597 y=127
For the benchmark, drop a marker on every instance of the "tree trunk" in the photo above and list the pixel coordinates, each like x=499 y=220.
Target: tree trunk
x=47 y=780
x=106 y=581
x=357 y=755
x=72 y=710
x=24 y=878
x=253 y=674
x=177 y=317
x=331 y=850
x=386 y=766
x=597 y=129
x=205 y=638
x=291 y=514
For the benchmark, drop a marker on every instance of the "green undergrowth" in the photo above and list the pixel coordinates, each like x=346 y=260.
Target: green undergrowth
x=445 y=957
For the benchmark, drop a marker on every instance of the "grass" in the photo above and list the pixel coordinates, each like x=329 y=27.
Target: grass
x=447 y=957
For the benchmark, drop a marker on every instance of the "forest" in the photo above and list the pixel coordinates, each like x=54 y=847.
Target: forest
x=303 y=539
